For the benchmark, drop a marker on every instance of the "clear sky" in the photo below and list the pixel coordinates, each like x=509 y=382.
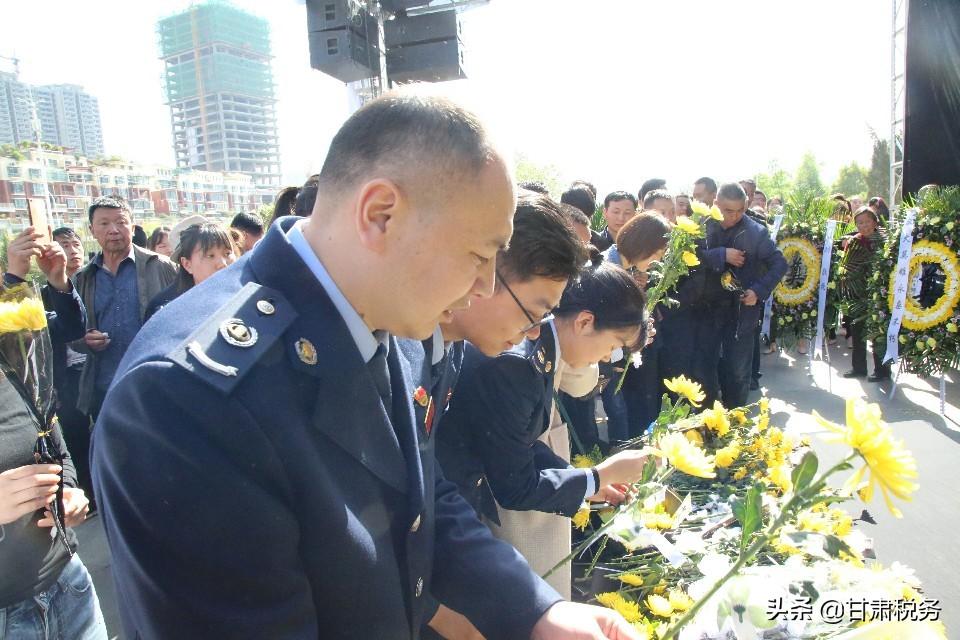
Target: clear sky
x=615 y=91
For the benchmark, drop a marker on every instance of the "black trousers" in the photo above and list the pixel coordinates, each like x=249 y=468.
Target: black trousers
x=75 y=427
x=860 y=352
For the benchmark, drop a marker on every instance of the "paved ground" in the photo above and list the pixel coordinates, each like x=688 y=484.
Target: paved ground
x=924 y=539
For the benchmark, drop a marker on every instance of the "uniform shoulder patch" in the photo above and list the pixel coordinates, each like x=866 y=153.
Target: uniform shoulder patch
x=223 y=349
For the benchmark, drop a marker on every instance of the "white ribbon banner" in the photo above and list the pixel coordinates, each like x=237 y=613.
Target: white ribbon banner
x=824 y=281
x=900 y=286
x=768 y=306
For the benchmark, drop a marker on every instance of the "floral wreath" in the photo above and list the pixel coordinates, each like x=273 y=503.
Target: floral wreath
x=915 y=317
x=929 y=339
x=795 y=247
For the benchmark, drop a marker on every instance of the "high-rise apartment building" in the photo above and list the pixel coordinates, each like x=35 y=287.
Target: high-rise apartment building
x=68 y=116
x=16 y=104
x=219 y=86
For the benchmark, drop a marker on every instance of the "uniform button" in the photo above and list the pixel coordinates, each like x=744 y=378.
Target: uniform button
x=416 y=525
x=419 y=586
x=479 y=481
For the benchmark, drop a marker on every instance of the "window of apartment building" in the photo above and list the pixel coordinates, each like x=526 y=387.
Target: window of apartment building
x=81 y=190
x=38 y=188
x=20 y=203
x=34 y=174
x=16 y=187
x=13 y=171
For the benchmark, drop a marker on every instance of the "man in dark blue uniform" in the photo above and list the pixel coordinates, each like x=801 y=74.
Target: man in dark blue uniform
x=741 y=245
x=257 y=459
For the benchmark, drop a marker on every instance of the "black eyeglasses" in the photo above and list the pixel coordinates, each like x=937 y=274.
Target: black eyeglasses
x=533 y=323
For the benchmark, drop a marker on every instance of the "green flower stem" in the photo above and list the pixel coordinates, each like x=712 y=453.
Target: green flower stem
x=797 y=500
x=23 y=354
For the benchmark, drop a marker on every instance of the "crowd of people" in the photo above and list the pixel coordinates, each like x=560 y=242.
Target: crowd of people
x=356 y=423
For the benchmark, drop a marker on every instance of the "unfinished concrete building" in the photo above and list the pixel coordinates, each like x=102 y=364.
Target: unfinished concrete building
x=219 y=86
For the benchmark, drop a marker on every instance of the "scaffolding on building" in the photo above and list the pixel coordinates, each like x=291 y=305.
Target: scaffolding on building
x=219 y=86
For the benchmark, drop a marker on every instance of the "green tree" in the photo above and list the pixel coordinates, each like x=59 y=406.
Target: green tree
x=808 y=175
x=528 y=170
x=878 y=178
x=776 y=183
x=851 y=181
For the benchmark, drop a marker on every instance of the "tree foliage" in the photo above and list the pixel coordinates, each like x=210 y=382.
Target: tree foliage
x=776 y=183
x=808 y=175
x=549 y=174
x=878 y=178
x=851 y=181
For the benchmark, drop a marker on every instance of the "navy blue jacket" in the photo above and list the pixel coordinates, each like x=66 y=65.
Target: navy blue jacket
x=764 y=265
x=488 y=444
x=280 y=500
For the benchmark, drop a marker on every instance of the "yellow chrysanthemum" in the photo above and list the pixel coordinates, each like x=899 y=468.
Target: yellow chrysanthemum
x=738 y=416
x=694 y=436
x=764 y=404
x=727 y=455
x=613 y=600
x=643 y=630
x=653 y=520
x=888 y=462
x=581 y=518
x=716 y=419
x=715 y=213
x=686 y=456
x=632 y=579
x=23 y=315
x=679 y=600
x=659 y=605
x=690 y=259
x=688 y=226
x=581 y=461
x=780 y=476
x=686 y=388
x=920 y=318
x=740 y=473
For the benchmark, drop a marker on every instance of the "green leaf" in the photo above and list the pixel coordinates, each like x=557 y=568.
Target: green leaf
x=749 y=513
x=804 y=472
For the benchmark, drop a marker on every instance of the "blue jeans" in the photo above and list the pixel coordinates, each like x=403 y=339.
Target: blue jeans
x=68 y=609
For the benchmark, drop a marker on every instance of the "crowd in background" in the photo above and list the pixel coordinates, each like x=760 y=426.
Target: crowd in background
x=581 y=293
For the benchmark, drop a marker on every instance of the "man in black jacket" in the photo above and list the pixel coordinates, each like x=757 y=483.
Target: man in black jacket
x=741 y=246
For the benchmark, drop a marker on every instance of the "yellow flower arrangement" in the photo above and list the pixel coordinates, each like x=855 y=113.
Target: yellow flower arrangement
x=686 y=456
x=916 y=317
x=659 y=606
x=690 y=259
x=780 y=477
x=694 y=436
x=22 y=315
x=581 y=461
x=793 y=248
x=613 y=600
x=581 y=518
x=686 y=388
x=687 y=225
x=886 y=461
x=738 y=417
x=716 y=420
x=631 y=579
x=727 y=455
x=679 y=600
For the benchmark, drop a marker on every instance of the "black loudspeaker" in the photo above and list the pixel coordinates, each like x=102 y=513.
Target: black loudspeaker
x=344 y=40
x=931 y=131
x=424 y=48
